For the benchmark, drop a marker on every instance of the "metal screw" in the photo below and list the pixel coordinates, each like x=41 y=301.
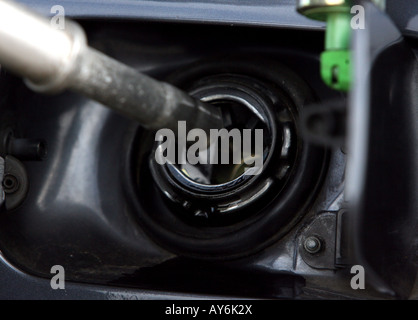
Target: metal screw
x=312 y=244
x=10 y=183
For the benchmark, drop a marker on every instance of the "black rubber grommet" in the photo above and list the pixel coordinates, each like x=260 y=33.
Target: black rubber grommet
x=269 y=219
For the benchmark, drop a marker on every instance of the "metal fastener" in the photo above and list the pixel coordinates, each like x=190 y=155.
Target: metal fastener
x=312 y=244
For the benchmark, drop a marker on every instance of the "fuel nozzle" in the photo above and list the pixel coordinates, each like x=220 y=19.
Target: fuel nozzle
x=53 y=60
